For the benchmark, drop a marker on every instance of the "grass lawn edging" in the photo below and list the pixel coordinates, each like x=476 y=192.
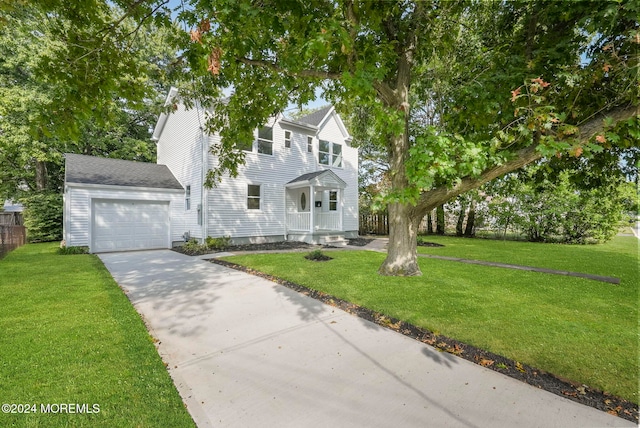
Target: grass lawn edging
x=580 y=393
x=74 y=350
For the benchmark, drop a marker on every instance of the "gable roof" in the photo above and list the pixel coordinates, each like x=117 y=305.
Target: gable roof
x=84 y=169
x=317 y=117
x=325 y=178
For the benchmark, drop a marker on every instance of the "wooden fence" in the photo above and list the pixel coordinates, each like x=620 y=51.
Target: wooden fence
x=378 y=224
x=11 y=218
x=374 y=224
x=11 y=237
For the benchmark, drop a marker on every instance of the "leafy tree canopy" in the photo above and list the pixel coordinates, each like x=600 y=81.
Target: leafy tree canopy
x=67 y=85
x=455 y=93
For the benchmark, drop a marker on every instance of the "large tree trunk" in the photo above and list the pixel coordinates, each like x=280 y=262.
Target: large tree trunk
x=401 y=258
x=471 y=218
x=460 y=222
x=41 y=175
x=440 y=226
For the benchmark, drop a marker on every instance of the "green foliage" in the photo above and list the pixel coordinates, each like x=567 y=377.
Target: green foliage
x=192 y=246
x=556 y=209
x=43 y=216
x=218 y=244
x=317 y=256
x=64 y=250
x=56 y=94
x=71 y=334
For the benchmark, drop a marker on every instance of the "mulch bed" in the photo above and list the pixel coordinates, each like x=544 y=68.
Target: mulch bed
x=359 y=242
x=538 y=378
x=429 y=244
x=269 y=246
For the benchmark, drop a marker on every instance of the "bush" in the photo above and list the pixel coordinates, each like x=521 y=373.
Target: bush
x=317 y=256
x=192 y=246
x=43 y=216
x=73 y=250
x=218 y=244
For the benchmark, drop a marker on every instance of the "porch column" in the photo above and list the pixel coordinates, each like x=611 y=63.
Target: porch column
x=312 y=197
x=341 y=209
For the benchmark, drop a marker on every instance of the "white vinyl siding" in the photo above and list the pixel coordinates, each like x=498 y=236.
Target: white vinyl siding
x=227 y=213
x=78 y=206
x=180 y=148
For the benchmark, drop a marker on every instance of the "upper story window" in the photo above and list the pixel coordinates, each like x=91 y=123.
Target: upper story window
x=309 y=144
x=287 y=139
x=187 y=198
x=265 y=140
x=253 y=197
x=330 y=153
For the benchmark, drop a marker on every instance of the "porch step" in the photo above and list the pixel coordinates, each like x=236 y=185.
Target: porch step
x=333 y=240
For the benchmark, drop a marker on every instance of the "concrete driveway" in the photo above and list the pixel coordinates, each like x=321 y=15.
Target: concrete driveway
x=245 y=352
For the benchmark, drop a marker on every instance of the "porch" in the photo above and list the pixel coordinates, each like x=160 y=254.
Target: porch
x=314 y=207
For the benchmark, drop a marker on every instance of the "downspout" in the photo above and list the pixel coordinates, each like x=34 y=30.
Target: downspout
x=203 y=194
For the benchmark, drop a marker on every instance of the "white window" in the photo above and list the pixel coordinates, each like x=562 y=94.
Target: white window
x=333 y=200
x=187 y=198
x=287 y=139
x=265 y=140
x=309 y=144
x=330 y=153
x=253 y=197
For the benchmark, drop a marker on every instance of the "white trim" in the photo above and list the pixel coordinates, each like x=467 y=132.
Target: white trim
x=162 y=120
x=127 y=188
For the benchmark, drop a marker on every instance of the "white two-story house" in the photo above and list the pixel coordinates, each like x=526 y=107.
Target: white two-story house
x=299 y=182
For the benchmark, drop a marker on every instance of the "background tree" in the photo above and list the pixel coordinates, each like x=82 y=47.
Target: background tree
x=506 y=82
x=38 y=122
x=502 y=83
x=45 y=113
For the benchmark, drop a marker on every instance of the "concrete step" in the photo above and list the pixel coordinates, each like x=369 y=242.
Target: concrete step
x=334 y=240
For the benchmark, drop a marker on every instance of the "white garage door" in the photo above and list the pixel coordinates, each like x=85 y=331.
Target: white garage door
x=129 y=225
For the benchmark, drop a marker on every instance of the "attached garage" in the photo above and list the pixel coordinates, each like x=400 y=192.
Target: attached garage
x=116 y=205
x=129 y=225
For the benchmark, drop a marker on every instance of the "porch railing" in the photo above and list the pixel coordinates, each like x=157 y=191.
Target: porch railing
x=299 y=221
x=322 y=221
x=328 y=221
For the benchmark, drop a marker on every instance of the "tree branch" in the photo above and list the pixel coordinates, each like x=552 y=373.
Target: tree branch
x=432 y=198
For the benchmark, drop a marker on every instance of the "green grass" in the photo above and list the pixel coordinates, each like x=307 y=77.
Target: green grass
x=579 y=329
x=70 y=335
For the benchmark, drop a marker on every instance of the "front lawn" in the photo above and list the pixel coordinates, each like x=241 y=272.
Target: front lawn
x=580 y=329
x=72 y=342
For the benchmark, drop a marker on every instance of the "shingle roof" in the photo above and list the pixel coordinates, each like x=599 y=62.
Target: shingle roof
x=316 y=117
x=307 y=177
x=116 y=172
x=324 y=178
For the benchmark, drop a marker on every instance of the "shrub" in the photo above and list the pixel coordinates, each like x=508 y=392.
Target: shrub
x=317 y=256
x=73 y=250
x=192 y=246
x=218 y=244
x=43 y=216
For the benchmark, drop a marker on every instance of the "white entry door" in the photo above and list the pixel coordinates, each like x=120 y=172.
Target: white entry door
x=129 y=225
